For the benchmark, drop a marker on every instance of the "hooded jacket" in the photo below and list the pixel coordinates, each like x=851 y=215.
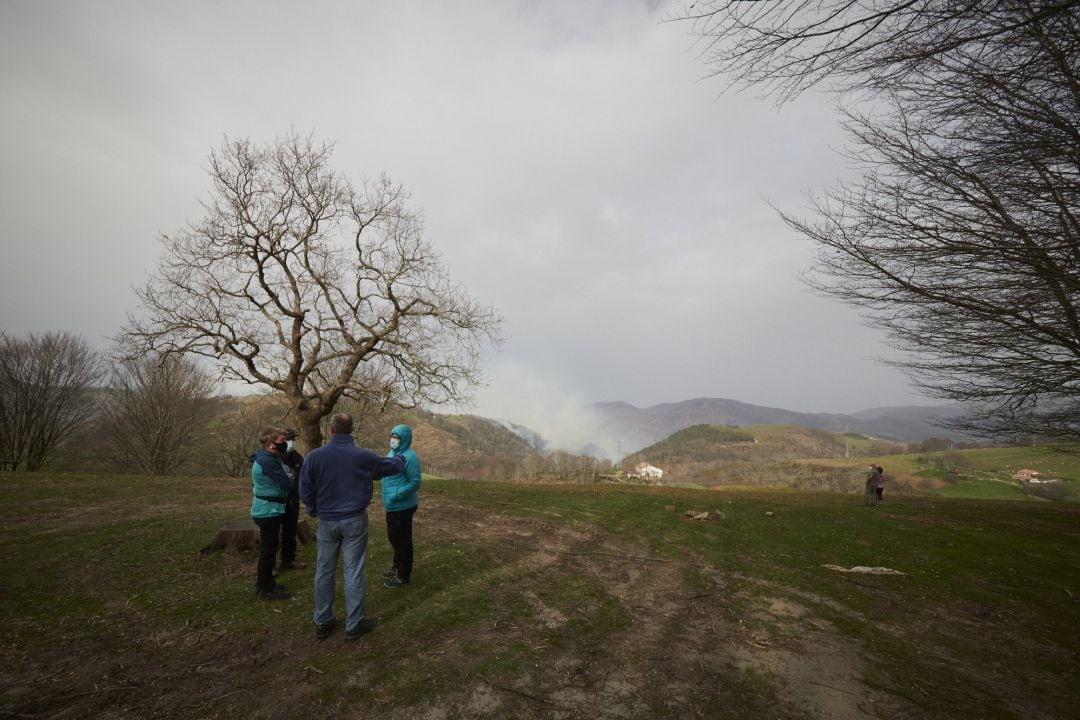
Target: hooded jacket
x=401 y=491
x=268 y=480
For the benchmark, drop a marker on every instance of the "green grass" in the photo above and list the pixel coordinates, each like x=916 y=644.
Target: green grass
x=999 y=462
x=978 y=474
x=545 y=601
x=984 y=490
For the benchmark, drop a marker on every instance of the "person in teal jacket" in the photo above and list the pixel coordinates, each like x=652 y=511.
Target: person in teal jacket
x=270 y=486
x=400 y=497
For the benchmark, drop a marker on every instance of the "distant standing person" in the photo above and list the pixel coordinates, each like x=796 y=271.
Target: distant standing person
x=400 y=497
x=270 y=486
x=289 y=524
x=870 y=491
x=336 y=484
x=879 y=486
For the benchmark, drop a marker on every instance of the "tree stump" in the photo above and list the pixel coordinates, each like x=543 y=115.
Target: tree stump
x=304 y=533
x=243 y=534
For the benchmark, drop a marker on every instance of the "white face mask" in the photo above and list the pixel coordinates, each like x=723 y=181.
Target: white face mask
x=290 y=445
x=394 y=442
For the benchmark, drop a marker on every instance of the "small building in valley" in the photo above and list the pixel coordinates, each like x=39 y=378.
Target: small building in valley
x=1033 y=476
x=651 y=472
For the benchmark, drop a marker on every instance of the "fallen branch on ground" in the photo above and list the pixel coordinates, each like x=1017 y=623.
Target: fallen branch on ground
x=618 y=555
x=864 y=570
x=523 y=694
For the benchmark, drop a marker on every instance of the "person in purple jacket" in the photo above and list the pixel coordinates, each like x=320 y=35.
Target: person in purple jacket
x=336 y=484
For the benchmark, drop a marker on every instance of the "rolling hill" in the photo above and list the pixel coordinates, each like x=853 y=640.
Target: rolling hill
x=762 y=455
x=635 y=427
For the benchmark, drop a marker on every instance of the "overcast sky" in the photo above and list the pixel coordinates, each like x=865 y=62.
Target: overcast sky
x=575 y=168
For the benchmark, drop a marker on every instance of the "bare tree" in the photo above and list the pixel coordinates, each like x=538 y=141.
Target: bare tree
x=962 y=238
x=298 y=281
x=233 y=436
x=46 y=392
x=787 y=46
x=154 y=408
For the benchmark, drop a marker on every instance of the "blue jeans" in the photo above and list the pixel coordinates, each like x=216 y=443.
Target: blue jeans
x=350 y=535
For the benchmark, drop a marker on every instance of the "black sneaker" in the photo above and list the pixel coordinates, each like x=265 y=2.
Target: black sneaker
x=323 y=631
x=393 y=582
x=392 y=572
x=292 y=565
x=362 y=628
x=278 y=593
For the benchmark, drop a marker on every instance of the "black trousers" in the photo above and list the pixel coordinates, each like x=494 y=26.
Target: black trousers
x=289 y=522
x=399 y=532
x=269 y=530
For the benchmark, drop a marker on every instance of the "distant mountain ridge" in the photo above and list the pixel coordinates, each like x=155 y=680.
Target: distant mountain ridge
x=635 y=428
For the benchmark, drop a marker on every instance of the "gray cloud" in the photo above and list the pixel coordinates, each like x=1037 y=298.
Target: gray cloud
x=574 y=168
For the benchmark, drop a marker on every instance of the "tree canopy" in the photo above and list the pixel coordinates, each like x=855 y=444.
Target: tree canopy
x=47 y=390
x=153 y=410
x=296 y=280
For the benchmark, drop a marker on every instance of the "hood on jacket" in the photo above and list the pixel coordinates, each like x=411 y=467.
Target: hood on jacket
x=405 y=433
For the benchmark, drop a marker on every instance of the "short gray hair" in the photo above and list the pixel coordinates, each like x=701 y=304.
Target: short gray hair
x=341 y=424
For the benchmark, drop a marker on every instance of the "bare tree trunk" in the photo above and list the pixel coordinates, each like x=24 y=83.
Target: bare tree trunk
x=311 y=435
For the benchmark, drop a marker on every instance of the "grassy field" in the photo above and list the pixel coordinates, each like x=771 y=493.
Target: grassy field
x=546 y=601
x=999 y=462
x=979 y=474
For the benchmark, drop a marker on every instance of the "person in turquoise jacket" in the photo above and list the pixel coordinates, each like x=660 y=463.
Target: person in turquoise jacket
x=400 y=497
x=270 y=486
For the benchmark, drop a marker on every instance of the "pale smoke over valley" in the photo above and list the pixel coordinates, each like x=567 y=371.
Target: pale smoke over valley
x=517 y=395
x=539 y=409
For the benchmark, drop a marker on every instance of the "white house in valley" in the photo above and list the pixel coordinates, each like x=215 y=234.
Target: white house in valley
x=1034 y=476
x=646 y=470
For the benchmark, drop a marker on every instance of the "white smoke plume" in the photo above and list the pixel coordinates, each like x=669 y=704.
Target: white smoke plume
x=517 y=394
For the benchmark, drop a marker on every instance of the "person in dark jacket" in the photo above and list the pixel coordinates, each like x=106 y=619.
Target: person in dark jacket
x=400 y=498
x=336 y=484
x=270 y=487
x=870 y=489
x=292 y=460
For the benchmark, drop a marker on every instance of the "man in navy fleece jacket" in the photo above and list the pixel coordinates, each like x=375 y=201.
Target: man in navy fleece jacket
x=336 y=484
